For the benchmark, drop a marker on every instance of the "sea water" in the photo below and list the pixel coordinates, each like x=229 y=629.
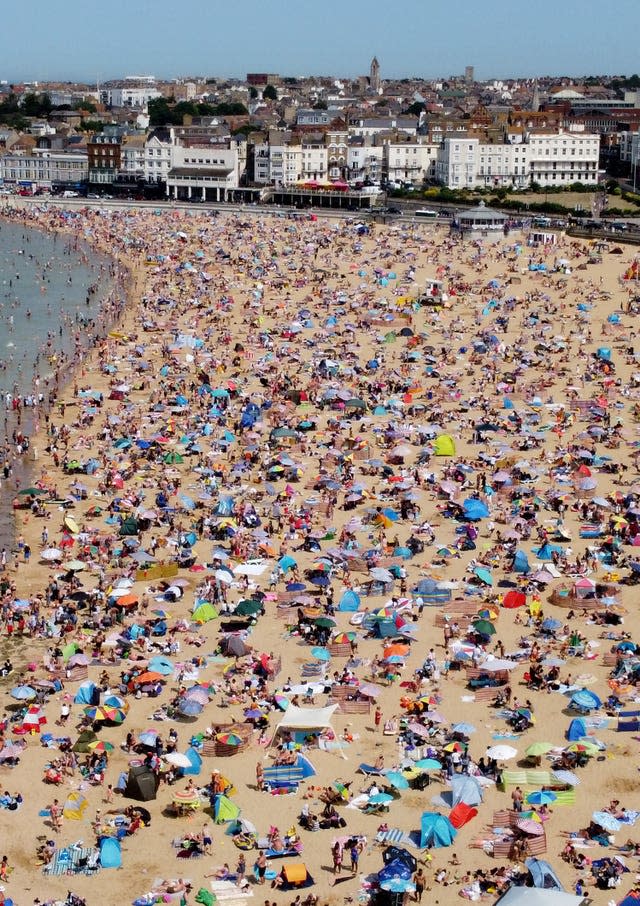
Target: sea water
x=50 y=285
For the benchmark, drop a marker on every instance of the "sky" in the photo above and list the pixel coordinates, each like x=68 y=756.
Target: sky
x=75 y=40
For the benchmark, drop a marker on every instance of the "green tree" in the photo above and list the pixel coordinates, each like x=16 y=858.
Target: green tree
x=253 y=92
x=270 y=93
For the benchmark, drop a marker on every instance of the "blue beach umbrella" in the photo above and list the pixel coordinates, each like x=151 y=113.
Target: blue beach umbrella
x=321 y=654
x=541 y=797
x=397 y=780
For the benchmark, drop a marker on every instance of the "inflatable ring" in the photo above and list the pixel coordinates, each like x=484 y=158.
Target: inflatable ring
x=245 y=841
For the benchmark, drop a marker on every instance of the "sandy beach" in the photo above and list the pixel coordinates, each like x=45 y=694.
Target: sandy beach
x=271 y=416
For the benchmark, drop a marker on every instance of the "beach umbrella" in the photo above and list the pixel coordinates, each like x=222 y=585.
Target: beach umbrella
x=541 y=797
x=11 y=750
x=248 y=608
x=281 y=701
x=606 y=821
x=177 y=759
x=370 y=690
x=114 y=714
x=321 y=654
x=538 y=748
x=31 y=492
x=51 y=553
x=501 y=752
x=101 y=746
x=189 y=707
x=324 y=622
x=428 y=764
x=23 y=693
x=584 y=748
x=95 y=712
x=484 y=627
x=380 y=799
x=197 y=694
x=567 y=777
x=396 y=780
x=229 y=739
x=75 y=566
x=586 y=699
x=483 y=575
x=148 y=737
x=531 y=827
x=345 y=637
x=253 y=714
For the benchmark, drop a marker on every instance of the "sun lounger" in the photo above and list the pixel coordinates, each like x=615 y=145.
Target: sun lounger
x=369 y=769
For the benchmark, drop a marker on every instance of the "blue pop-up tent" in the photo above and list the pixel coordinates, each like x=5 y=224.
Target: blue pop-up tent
x=436 y=830
x=475 y=509
x=110 y=853
x=465 y=789
x=86 y=694
x=521 y=563
x=350 y=601
x=543 y=875
x=196 y=763
x=577 y=729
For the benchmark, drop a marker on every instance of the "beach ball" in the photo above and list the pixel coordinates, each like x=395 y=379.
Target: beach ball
x=392 y=275
x=362 y=273
x=384 y=282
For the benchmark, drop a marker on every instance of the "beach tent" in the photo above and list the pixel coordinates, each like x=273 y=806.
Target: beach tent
x=349 y=601
x=204 y=612
x=241 y=826
x=466 y=789
x=75 y=806
x=475 y=509
x=83 y=741
x=87 y=694
x=543 y=875
x=577 y=729
x=196 y=763
x=521 y=563
x=436 y=830
x=129 y=527
x=110 y=853
x=224 y=809
x=444 y=445
x=295 y=718
x=461 y=814
x=534 y=896
x=303 y=764
x=141 y=784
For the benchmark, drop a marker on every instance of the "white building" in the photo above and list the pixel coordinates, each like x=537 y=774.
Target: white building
x=44 y=168
x=364 y=160
x=208 y=172
x=562 y=158
x=158 y=154
x=315 y=158
x=549 y=159
x=132 y=157
x=285 y=161
x=129 y=96
x=409 y=162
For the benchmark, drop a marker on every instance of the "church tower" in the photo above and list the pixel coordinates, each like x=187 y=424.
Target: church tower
x=374 y=75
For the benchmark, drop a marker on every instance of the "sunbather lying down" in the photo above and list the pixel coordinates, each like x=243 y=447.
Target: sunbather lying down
x=173 y=885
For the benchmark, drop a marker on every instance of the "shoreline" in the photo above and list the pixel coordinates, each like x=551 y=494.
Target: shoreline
x=123 y=283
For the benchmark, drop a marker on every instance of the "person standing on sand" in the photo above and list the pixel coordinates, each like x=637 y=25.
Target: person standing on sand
x=261 y=866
